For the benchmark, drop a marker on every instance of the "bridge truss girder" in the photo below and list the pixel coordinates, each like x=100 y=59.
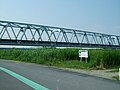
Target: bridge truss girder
x=14 y=33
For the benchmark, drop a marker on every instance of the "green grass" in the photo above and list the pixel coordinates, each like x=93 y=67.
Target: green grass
x=116 y=77
x=115 y=70
x=70 y=64
x=98 y=58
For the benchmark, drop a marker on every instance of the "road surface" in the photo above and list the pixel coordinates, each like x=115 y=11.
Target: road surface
x=50 y=78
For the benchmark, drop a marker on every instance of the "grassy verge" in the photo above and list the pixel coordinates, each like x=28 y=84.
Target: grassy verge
x=115 y=70
x=116 y=77
x=99 y=58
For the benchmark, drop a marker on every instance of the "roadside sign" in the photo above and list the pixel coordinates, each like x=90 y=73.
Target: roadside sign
x=83 y=53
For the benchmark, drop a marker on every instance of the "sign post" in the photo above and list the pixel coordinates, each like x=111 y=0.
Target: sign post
x=83 y=54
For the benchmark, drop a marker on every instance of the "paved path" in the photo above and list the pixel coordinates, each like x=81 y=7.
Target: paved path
x=51 y=78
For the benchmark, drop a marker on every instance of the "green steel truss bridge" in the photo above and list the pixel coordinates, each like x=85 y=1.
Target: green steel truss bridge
x=23 y=34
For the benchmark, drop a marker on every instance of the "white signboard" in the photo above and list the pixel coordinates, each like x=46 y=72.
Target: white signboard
x=83 y=53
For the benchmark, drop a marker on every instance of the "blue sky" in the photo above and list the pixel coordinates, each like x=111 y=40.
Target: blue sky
x=91 y=15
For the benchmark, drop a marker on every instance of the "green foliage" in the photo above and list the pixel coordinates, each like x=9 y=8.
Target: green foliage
x=116 y=77
x=98 y=58
x=105 y=57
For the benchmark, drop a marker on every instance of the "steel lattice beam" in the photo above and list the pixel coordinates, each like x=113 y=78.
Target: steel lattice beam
x=14 y=33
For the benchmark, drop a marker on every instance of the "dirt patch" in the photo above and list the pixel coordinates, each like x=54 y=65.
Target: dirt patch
x=99 y=73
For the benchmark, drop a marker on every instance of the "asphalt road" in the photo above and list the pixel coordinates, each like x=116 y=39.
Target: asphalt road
x=51 y=78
